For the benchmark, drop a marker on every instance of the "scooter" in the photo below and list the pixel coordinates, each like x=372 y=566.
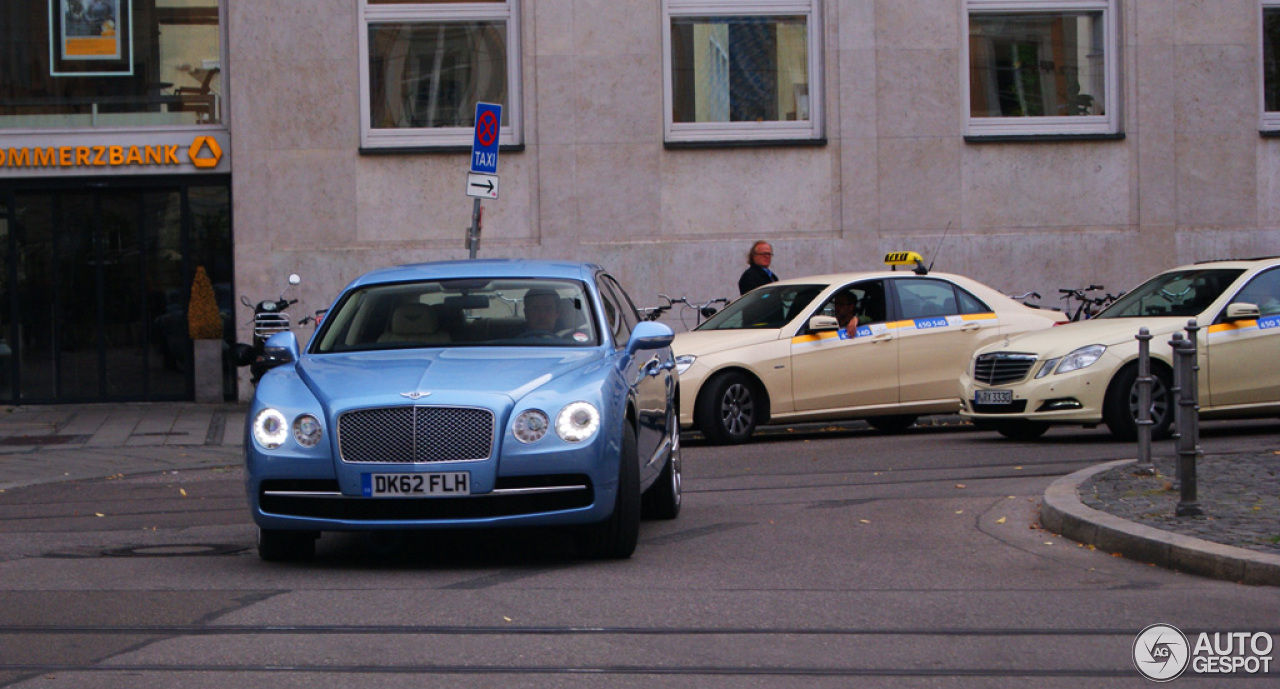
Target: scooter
x=269 y=318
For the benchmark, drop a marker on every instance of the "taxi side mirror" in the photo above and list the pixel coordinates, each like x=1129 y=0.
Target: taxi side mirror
x=821 y=323
x=1242 y=311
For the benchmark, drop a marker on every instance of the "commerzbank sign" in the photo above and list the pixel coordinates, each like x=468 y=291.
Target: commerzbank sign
x=127 y=154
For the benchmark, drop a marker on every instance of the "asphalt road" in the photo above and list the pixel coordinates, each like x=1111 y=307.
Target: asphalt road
x=816 y=558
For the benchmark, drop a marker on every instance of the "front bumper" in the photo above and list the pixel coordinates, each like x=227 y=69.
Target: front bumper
x=1076 y=397
x=570 y=486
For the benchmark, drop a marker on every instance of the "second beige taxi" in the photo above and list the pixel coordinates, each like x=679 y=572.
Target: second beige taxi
x=779 y=355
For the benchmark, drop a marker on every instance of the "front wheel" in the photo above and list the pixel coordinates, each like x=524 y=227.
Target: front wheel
x=662 y=499
x=891 y=424
x=729 y=410
x=1120 y=408
x=275 y=545
x=615 y=538
x=1020 y=429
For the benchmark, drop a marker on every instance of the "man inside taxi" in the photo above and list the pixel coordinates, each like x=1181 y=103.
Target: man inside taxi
x=845 y=306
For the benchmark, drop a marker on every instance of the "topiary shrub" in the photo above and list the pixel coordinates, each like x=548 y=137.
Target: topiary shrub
x=203 y=320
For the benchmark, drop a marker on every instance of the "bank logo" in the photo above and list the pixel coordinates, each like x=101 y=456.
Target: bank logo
x=200 y=161
x=1161 y=652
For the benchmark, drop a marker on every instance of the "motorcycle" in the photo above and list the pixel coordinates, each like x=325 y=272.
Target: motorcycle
x=269 y=318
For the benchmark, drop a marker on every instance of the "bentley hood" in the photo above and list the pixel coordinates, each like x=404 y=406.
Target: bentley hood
x=436 y=375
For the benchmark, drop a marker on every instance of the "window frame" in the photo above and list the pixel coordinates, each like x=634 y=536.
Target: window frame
x=1269 y=121
x=807 y=131
x=1047 y=126
x=508 y=11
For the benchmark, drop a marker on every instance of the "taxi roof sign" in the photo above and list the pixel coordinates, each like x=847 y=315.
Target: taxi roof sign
x=906 y=258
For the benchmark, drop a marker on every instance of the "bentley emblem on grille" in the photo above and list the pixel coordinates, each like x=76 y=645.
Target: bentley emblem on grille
x=415 y=395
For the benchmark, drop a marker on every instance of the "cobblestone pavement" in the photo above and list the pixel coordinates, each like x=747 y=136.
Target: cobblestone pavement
x=1238 y=493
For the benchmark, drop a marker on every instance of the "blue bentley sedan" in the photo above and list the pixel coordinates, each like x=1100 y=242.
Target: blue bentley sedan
x=483 y=393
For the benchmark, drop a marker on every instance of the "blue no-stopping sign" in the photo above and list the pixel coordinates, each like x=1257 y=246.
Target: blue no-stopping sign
x=484 y=149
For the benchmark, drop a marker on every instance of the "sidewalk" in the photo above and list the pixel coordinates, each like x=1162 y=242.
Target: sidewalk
x=40 y=444
x=1236 y=539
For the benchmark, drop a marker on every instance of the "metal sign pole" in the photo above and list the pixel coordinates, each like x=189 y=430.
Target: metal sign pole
x=1144 y=466
x=473 y=235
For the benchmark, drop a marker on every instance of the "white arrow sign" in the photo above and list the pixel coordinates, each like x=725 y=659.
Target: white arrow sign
x=482 y=186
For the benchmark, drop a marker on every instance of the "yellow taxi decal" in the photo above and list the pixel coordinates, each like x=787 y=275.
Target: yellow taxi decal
x=881 y=328
x=1266 y=323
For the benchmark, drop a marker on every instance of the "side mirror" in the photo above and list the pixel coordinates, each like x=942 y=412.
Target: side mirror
x=281 y=348
x=650 y=335
x=821 y=323
x=1241 y=311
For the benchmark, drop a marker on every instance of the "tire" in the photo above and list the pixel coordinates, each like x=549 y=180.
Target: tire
x=1120 y=407
x=662 y=499
x=1020 y=429
x=286 y=546
x=729 y=410
x=615 y=538
x=892 y=424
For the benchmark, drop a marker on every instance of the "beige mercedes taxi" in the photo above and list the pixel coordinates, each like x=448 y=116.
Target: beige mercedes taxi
x=1084 y=372
x=779 y=355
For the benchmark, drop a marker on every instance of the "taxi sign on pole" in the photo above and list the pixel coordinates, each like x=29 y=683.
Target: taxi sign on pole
x=482 y=186
x=484 y=149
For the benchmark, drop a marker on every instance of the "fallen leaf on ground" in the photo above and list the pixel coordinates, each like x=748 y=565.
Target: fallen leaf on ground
x=959 y=485
x=864 y=521
x=183 y=491
x=99 y=514
x=1000 y=520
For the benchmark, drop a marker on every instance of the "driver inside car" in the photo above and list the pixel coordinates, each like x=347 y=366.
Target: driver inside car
x=541 y=311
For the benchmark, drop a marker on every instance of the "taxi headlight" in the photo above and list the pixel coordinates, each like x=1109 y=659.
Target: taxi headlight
x=1047 y=368
x=1081 y=358
x=577 y=422
x=683 y=362
x=270 y=429
x=307 y=430
x=530 y=426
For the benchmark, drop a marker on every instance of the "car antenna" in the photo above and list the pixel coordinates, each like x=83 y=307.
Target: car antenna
x=935 y=251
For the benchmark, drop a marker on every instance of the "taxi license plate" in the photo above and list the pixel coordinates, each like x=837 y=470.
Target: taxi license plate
x=993 y=397
x=415 y=485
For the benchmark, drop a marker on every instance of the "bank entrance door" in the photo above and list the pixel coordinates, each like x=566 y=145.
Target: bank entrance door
x=95 y=285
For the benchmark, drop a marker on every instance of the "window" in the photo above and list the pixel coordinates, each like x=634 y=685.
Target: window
x=743 y=71
x=425 y=65
x=87 y=64
x=1042 y=67
x=1270 y=65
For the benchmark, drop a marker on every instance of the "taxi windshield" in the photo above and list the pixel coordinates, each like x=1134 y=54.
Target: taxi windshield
x=765 y=308
x=1183 y=293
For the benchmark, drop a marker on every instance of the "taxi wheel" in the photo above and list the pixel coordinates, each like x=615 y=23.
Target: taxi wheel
x=1120 y=409
x=615 y=538
x=728 y=410
x=1021 y=429
x=286 y=546
x=662 y=499
x=891 y=424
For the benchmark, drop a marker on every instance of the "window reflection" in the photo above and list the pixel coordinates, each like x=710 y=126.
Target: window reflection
x=739 y=69
x=163 y=66
x=427 y=75
x=1037 y=65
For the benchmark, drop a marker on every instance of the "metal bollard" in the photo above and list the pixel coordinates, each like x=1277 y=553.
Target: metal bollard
x=1144 y=466
x=1186 y=418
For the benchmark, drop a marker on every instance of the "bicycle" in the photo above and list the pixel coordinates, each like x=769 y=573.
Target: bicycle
x=703 y=310
x=1086 y=307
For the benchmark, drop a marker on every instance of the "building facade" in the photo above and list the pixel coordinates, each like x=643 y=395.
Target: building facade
x=1031 y=144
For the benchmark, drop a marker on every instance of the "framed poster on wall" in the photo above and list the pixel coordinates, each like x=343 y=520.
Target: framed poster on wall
x=90 y=37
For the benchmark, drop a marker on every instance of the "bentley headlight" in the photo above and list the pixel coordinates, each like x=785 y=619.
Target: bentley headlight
x=307 y=430
x=577 y=422
x=530 y=426
x=1081 y=358
x=270 y=429
x=683 y=362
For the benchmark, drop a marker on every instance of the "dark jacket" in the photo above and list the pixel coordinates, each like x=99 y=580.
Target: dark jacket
x=753 y=277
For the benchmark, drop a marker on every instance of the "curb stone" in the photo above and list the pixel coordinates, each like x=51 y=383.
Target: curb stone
x=1063 y=513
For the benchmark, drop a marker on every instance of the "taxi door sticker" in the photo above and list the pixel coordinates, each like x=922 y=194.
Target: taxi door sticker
x=881 y=328
x=1245 y=328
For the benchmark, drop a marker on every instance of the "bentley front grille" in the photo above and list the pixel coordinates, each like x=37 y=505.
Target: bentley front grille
x=415 y=435
x=1002 y=368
